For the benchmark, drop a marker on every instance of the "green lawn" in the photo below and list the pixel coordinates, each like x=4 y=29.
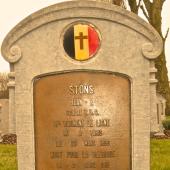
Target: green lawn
x=160 y=156
x=8 y=157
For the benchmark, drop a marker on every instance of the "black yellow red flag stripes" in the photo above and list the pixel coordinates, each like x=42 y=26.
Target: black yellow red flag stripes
x=81 y=42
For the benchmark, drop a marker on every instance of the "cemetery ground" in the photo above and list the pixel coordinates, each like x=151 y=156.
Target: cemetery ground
x=8 y=159
x=160 y=157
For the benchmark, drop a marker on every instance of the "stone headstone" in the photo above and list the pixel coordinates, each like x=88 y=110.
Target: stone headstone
x=82 y=86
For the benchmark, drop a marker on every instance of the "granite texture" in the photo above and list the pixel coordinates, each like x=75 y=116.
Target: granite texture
x=128 y=46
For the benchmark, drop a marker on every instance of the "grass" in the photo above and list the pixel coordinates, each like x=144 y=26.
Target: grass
x=168 y=118
x=8 y=157
x=160 y=155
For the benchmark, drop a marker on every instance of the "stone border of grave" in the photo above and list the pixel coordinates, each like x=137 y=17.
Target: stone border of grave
x=10 y=139
x=167 y=133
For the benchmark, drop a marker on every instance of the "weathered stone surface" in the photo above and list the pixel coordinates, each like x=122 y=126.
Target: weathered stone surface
x=34 y=49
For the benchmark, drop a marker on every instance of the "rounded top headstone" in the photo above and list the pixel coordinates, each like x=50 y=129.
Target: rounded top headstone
x=105 y=1
x=105 y=11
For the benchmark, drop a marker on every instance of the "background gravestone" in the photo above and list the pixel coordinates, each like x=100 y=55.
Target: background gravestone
x=4 y=116
x=87 y=110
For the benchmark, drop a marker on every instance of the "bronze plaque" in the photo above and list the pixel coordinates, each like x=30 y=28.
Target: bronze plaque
x=82 y=121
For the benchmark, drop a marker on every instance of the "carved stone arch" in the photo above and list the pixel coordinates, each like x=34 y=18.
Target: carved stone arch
x=92 y=10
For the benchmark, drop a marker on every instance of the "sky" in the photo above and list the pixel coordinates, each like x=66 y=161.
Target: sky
x=12 y=12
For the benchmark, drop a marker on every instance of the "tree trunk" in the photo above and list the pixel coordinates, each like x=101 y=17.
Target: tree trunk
x=160 y=62
x=133 y=6
x=153 y=11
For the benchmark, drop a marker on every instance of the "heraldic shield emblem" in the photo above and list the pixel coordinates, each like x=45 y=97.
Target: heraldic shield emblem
x=81 y=41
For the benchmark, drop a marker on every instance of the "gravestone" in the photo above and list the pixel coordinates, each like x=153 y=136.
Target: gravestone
x=4 y=116
x=83 y=87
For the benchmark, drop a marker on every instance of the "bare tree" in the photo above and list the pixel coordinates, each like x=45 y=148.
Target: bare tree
x=152 y=10
x=134 y=5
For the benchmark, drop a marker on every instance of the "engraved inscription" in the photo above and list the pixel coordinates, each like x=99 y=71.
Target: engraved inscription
x=81 y=89
x=82 y=122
